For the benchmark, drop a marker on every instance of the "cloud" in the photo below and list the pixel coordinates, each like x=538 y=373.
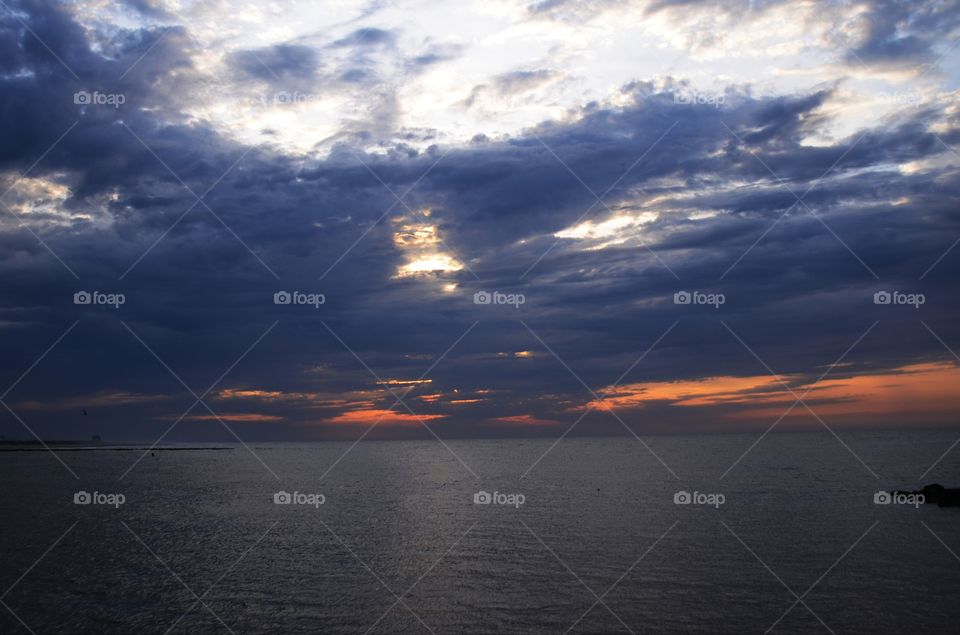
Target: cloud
x=695 y=196
x=283 y=62
x=512 y=84
x=366 y=38
x=902 y=35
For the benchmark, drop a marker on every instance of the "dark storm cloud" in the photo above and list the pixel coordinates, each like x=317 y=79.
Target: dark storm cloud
x=902 y=33
x=200 y=298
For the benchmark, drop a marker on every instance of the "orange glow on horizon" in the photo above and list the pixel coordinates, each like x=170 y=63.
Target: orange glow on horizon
x=369 y=416
x=926 y=388
x=526 y=420
x=241 y=417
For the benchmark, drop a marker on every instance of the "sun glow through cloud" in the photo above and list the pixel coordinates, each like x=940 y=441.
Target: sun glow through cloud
x=422 y=247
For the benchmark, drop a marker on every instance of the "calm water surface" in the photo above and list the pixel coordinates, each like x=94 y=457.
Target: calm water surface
x=399 y=546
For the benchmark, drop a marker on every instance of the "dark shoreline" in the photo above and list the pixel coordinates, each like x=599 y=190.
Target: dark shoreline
x=40 y=448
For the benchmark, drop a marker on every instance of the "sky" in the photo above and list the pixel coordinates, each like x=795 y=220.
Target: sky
x=341 y=220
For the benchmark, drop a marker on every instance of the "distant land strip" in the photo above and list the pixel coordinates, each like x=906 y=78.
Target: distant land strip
x=36 y=447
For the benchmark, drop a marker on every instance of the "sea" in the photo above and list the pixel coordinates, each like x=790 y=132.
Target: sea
x=791 y=532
